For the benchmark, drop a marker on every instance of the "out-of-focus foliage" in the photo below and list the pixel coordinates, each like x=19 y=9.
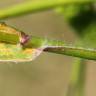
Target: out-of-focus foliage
x=90 y=36
x=82 y=18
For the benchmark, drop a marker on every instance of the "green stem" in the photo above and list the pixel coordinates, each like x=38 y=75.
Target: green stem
x=32 y=7
x=76 y=85
x=58 y=47
x=74 y=51
x=12 y=36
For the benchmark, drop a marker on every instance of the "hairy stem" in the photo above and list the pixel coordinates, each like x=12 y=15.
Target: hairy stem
x=13 y=36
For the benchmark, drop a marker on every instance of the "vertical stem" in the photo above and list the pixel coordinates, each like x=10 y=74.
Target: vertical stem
x=76 y=85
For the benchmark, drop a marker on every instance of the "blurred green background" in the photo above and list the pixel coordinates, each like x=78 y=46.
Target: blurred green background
x=49 y=74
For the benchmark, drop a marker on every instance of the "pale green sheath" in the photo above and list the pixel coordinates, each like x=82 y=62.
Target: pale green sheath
x=10 y=47
x=16 y=46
